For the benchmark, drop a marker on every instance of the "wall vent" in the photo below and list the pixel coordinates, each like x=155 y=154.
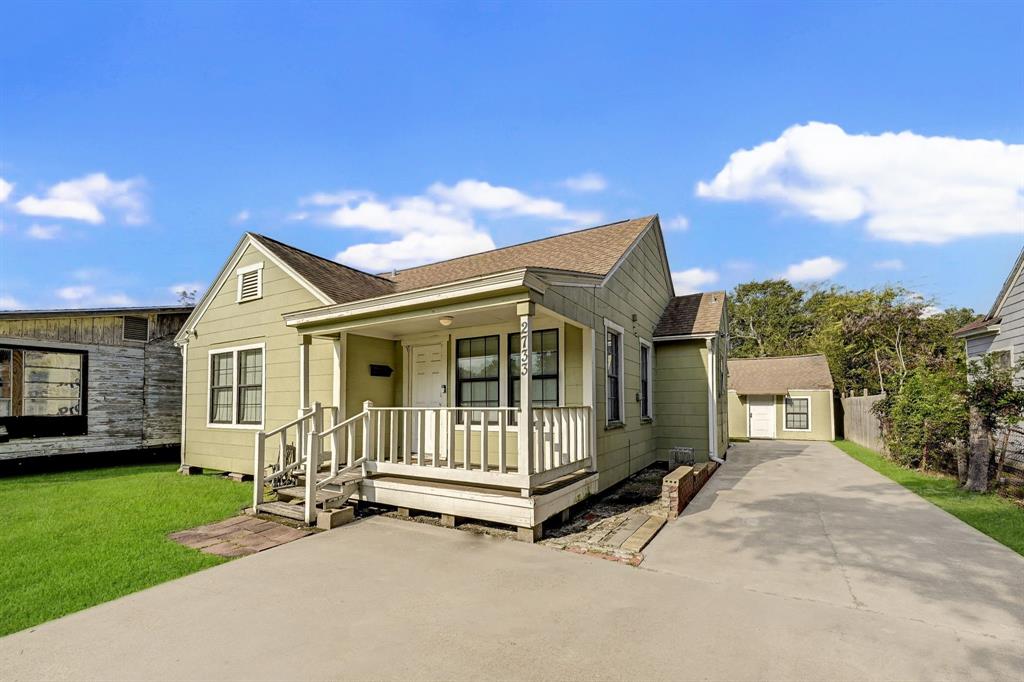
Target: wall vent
x=250 y=283
x=136 y=329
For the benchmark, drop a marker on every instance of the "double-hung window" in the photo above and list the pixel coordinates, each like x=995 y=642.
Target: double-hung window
x=613 y=370
x=476 y=372
x=236 y=387
x=543 y=367
x=798 y=414
x=646 y=384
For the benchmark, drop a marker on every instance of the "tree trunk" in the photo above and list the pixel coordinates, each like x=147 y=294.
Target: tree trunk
x=924 y=448
x=981 y=452
x=961 y=463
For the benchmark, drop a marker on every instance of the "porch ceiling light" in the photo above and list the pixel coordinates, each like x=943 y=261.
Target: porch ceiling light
x=446 y=321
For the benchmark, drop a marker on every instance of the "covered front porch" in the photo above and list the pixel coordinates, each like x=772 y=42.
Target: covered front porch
x=445 y=430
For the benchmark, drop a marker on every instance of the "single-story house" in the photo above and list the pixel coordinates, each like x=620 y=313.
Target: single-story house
x=405 y=388
x=77 y=382
x=787 y=397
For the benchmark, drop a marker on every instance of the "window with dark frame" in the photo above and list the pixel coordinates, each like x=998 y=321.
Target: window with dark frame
x=798 y=414
x=221 y=387
x=477 y=373
x=614 y=373
x=543 y=367
x=645 y=381
x=42 y=392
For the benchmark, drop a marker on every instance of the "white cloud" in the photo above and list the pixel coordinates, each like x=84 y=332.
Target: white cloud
x=814 y=269
x=889 y=264
x=906 y=187
x=241 y=217
x=86 y=295
x=677 y=223
x=483 y=196
x=83 y=198
x=588 y=182
x=693 y=280
x=5 y=190
x=10 y=303
x=441 y=223
x=43 y=231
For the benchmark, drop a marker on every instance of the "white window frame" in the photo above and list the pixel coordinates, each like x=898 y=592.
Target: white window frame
x=258 y=267
x=785 y=412
x=611 y=326
x=234 y=350
x=644 y=343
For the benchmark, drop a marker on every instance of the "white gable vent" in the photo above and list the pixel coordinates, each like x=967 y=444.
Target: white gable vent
x=250 y=282
x=136 y=328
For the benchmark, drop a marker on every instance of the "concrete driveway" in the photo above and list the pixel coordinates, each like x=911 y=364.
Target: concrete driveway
x=795 y=562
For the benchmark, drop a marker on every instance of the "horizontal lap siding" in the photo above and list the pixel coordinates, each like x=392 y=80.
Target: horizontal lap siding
x=1011 y=328
x=681 y=397
x=821 y=416
x=640 y=286
x=226 y=324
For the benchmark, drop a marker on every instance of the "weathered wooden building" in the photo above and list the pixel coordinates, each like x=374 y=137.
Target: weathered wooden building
x=74 y=382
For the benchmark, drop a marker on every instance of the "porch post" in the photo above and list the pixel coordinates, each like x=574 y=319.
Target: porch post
x=338 y=378
x=304 y=341
x=590 y=395
x=525 y=311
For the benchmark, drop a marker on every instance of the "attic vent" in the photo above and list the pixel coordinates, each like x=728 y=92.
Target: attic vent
x=250 y=283
x=136 y=329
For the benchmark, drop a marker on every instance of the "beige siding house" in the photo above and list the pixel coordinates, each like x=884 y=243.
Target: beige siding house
x=787 y=398
x=406 y=389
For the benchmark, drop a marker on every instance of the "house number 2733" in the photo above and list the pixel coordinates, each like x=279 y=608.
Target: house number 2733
x=524 y=352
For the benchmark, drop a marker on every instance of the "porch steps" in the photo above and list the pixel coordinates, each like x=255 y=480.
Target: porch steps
x=289 y=511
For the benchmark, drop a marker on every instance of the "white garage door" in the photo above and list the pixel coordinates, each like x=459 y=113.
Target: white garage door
x=762 y=416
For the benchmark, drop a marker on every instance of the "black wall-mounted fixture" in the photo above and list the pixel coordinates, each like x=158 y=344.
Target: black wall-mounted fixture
x=380 y=371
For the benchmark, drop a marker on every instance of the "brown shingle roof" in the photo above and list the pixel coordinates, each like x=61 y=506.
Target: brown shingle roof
x=593 y=251
x=776 y=376
x=340 y=283
x=979 y=323
x=692 y=314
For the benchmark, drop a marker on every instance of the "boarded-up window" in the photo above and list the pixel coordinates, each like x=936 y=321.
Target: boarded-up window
x=136 y=329
x=43 y=392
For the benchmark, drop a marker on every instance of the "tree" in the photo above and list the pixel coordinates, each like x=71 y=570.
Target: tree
x=996 y=400
x=927 y=420
x=767 y=318
x=186 y=296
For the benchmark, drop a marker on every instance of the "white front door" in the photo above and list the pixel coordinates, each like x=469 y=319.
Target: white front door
x=428 y=381
x=762 y=416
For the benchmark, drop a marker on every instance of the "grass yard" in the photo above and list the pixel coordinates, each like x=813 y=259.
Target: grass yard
x=995 y=516
x=69 y=540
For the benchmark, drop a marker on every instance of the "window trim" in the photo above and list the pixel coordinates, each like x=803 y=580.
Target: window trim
x=258 y=268
x=785 y=412
x=458 y=382
x=649 y=379
x=557 y=376
x=610 y=326
x=234 y=423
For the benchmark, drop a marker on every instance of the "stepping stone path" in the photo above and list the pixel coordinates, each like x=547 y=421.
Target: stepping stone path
x=238 y=536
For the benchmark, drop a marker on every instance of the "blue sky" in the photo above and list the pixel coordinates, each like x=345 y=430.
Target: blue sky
x=137 y=142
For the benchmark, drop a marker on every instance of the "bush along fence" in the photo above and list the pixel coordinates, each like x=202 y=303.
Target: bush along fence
x=860 y=424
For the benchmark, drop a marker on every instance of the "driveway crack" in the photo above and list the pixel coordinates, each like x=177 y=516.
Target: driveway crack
x=857 y=603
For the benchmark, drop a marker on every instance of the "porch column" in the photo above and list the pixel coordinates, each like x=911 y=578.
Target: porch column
x=304 y=341
x=590 y=354
x=525 y=312
x=338 y=378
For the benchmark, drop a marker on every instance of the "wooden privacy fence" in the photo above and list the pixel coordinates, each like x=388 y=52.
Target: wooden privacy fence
x=860 y=424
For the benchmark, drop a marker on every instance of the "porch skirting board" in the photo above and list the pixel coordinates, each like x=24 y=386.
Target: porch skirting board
x=496 y=505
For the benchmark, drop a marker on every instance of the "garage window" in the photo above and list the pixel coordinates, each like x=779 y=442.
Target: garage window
x=798 y=414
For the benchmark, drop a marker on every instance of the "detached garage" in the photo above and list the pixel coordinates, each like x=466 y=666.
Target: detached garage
x=784 y=397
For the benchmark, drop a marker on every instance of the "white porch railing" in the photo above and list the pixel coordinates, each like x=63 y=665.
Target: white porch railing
x=458 y=444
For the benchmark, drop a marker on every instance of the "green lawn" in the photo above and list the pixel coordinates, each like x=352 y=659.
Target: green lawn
x=69 y=540
x=995 y=516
